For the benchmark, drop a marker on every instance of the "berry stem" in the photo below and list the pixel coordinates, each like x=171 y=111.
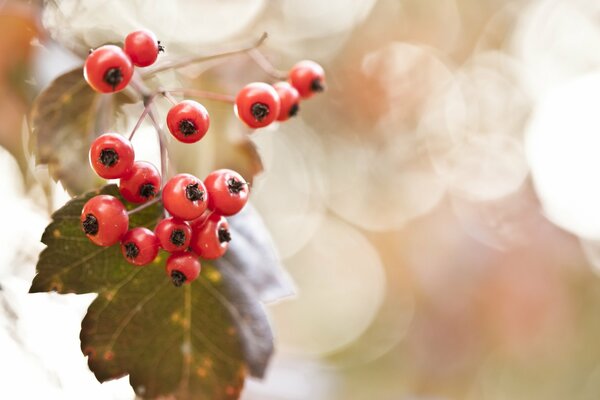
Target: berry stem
x=145 y=205
x=167 y=95
x=140 y=120
x=162 y=142
x=200 y=94
x=263 y=62
x=206 y=57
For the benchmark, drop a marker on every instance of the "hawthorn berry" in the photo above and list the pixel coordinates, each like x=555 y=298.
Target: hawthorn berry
x=141 y=183
x=111 y=155
x=108 y=69
x=257 y=104
x=173 y=234
x=139 y=246
x=185 y=197
x=142 y=47
x=104 y=220
x=183 y=268
x=227 y=191
x=289 y=97
x=211 y=238
x=307 y=77
x=188 y=121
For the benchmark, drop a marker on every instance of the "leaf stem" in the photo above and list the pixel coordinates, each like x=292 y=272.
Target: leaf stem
x=147 y=204
x=263 y=62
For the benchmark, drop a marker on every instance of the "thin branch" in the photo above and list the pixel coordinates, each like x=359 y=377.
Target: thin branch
x=139 y=122
x=266 y=65
x=206 y=57
x=202 y=94
x=147 y=204
x=162 y=142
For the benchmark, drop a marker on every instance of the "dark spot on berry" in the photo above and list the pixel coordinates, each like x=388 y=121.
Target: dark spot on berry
x=161 y=48
x=109 y=157
x=259 y=111
x=177 y=237
x=224 y=235
x=131 y=250
x=113 y=76
x=234 y=185
x=317 y=85
x=178 y=278
x=90 y=225
x=187 y=127
x=193 y=192
x=147 y=190
x=294 y=110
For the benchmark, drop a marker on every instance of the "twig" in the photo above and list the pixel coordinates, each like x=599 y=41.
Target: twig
x=266 y=65
x=200 y=94
x=145 y=205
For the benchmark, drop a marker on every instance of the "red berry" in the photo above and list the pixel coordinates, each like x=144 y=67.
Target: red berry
x=308 y=78
x=108 y=69
x=104 y=220
x=142 y=47
x=185 y=197
x=289 y=100
x=111 y=156
x=211 y=239
x=188 y=121
x=139 y=246
x=227 y=192
x=174 y=234
x=183 y=268
x=257 y=104
x=141 y=183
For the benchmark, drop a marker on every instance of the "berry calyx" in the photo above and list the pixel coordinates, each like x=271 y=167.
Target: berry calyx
x=257 y=104
x=173 y=234
x=211 y=239
x=188 y=121
x=290 y=99
x=111 y=156
x=142 y=47
x=108 y=69
x=308 y=78
x=139 y=246
x=104 y=220
x=183 y=268
x=141 y=183
x=185 y=197
x=227 y=191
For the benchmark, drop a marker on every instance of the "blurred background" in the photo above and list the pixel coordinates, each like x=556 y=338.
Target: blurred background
x=438 y=207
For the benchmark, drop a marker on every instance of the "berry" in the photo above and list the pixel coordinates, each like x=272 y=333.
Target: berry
x=139 y=246
x=104 y=220
x=211 y=239
x=257 y=104
x=141 y=183
x=108 y=69
x=188 y=121
x=289 y=100
x=111 y=155
x=227 y=191
x=142 y=47
x=183 y=268
x=308 y=78
x=174 y=234
x=185 y=197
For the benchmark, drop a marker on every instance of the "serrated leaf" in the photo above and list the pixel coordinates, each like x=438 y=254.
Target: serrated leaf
x=65 y=119
x=194 y=342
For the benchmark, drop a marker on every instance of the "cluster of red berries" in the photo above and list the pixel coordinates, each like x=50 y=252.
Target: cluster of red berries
x=196 y=228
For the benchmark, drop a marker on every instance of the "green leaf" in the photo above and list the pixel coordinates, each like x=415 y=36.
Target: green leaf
x=65 y=118
x=194 y=342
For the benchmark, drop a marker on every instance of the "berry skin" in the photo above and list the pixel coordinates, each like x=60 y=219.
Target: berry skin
x=289 y=100
x=108 y=69
x=185 y=197
x=173 y=234
x=104 y=220
x=111 y=156
x=308 y=78
x=142 y=47
x=139 y=246
x=183 y=268
x=188 y=121
x=227 y=192
x=257 y=104
x=141 y=183
x=211 y=239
